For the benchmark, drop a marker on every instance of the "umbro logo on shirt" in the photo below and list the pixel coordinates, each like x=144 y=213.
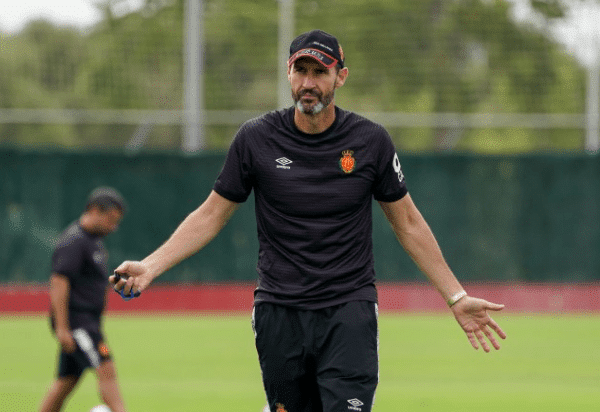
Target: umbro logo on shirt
x=283 y=163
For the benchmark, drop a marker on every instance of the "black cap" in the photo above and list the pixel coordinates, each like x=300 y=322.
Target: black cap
x=321 y=46
x=106 y=198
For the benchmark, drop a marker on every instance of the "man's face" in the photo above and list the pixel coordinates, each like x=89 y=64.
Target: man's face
x=313 y=85
x=106 y=222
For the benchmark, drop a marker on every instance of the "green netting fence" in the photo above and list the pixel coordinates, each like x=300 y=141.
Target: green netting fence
x=523 y=218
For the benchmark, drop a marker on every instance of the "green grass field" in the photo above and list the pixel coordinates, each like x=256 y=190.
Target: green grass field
x=208 y=363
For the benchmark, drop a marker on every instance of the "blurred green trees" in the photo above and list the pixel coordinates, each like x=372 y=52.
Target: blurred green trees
x=464 y=56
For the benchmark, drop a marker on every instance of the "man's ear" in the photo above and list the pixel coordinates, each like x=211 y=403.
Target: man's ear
x=341 y=77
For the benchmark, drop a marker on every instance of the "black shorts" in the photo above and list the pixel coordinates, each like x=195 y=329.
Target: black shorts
x=91 y=352
x=323 y=360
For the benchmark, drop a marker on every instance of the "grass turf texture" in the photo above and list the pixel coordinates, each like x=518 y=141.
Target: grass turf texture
x=190 y=363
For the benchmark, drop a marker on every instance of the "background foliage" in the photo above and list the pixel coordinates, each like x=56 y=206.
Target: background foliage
x=432 y=56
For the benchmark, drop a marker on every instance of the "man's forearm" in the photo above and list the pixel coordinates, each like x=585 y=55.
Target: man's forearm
x=415 y=236
x=193 y=234
x=423 y=248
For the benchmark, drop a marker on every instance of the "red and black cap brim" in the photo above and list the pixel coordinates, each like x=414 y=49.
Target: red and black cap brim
x=323 y=58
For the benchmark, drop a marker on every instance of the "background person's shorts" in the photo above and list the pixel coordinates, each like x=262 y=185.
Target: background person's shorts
x=91 y=352
x=318 y=360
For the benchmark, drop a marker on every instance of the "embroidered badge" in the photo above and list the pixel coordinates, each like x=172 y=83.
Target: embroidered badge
x=347 y=162
x=103 y=350
x=280 y=407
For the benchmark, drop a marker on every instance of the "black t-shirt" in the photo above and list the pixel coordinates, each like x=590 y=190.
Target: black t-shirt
x=313 y=196
x=83 y=259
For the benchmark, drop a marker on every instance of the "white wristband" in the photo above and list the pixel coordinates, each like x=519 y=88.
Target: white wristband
x=456 y=297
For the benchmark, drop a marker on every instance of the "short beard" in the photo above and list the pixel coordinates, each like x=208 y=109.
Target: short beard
x=323 y=102
x=316 y=109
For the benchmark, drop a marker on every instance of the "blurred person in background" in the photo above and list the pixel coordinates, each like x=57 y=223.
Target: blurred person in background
x=315 y=170
x=78 y=292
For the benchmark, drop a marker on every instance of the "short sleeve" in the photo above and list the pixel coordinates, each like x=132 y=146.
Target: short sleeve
x=390 y=184
x=67 y=258
x=235 y=180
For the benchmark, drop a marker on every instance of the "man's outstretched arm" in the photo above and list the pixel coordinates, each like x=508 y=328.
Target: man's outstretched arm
x=195 y=232
x=418 y=240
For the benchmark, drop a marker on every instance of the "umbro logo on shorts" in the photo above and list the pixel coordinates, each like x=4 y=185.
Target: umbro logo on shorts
x=355 y=403
x=283 y=163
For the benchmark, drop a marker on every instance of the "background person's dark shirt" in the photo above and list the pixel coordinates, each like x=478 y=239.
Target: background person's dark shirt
x=314 y=196
x=83 y=259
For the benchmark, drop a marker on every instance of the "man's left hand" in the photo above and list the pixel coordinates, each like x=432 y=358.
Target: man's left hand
x=471 y=314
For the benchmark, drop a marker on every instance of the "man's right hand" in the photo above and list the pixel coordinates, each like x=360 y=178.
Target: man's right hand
x=133 y=277
x=65 y=338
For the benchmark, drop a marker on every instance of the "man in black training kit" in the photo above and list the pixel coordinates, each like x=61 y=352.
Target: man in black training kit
x=78 y=287
x=315 y=169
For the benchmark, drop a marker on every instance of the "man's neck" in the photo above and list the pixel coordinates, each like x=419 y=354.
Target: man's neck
x=314 y=124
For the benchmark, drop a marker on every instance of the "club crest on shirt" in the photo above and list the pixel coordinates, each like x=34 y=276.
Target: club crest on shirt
x=280 y=408
x=103 y=350
x=347 y=161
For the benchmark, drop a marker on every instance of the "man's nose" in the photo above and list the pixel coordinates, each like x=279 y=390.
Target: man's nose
x=308 y=82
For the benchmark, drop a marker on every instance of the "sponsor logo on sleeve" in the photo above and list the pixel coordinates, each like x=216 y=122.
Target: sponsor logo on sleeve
x=398 y=168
